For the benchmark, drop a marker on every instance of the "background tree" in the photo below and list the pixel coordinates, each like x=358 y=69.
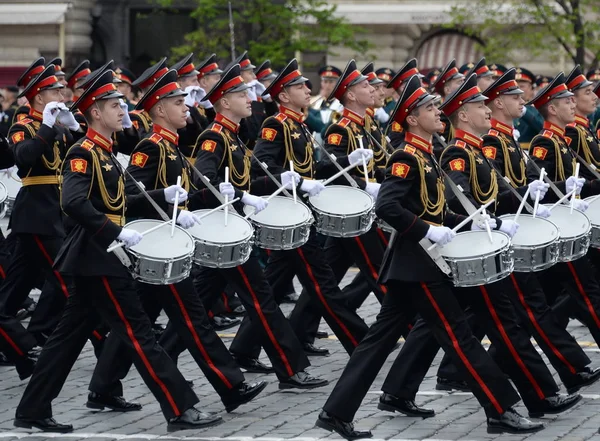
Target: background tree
x=269 y=29
x=542 y=28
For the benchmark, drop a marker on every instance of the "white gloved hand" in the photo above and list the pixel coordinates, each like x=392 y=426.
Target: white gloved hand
x=171 y=191
x=226 y=189
x=381 y=115
x=126 y=120
x=66 y=118
x=254 y=201
x=187 y=219
x=286 y=179
x=313 y=188
x=259 y=88
x=50 y=113
x=516 y=134
x=356 y=157
x=572 y=182
x=440 y=235
x=524 y=111
x=252 y=90
x=543 y=211
x=130 y=237
x=509 y=227
x=581 y=205
x=205 y=104
x=195 y=94
x=478 y=224
x=373 y=189
x=536 y=186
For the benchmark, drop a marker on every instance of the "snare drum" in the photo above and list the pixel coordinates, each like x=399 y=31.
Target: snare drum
x=574 y=233
x=283 y=225
x=3 y=200
x=220 y=246
x=535 y=245
x=343 y=211
x=593 y=213
x=475 y=261
x=160 y=259
x=12 y=182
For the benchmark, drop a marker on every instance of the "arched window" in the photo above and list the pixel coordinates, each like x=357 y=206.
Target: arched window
x=439 y=49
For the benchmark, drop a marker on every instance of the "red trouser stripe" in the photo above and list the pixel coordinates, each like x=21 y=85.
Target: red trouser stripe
x=509 y=344
x=265 y=324
x=538 y=328
x=11 y=342
x=382 y=236
x=588 y=303
x=2 y=273
x=323 y=301
x=369 y=264
x=51 y=263
x=190 y=326
x=460 y=352
x=225 y=302
x=138 y=348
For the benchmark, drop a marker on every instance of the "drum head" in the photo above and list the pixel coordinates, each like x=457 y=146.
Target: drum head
x=593 y=212
x=12 y=182
x=159 y=243
x=3 y=192
x=342 y=200
x=212 y=228
x=281 y=212
x=570 y=224
x=474 y=243
x=533 y=231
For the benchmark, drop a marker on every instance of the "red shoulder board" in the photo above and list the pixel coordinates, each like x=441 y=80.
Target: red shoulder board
x=410 y=149
x=155 y=138
x=344 y=122
x=217 y=128
x=280 y=117
x=547 y=134
x=493 y=132
x=460 y=144
x=489 y=152
x=87 y=144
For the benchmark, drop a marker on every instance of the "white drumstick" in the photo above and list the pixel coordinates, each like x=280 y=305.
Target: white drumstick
x=143 y=233
x=561 y=200
x=293 y=183
x=275 y=193
x=226 y=204
x=338 y=174
x=467 y=220
x=521 y=206
x=175 y=207
x=226 y=197
x=537 y=194
x=574 y=193
x=489 y=231
x=364 y=161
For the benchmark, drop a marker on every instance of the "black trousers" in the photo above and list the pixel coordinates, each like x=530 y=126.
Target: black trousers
x=23 y=276
x=115 y=301
x=436 y=303
x=317 y=277
x=190 y=322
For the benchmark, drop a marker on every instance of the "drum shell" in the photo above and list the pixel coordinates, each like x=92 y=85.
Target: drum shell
x=594 y=208
x=576 y=246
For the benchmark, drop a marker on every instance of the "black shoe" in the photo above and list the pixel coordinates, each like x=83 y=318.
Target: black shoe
x=289 y=298
x=193 y=419
x=23 y=313
x=253 y=365
x=344 y=429
x=118 y=404
x=584 y=378
x=44 y=424
x=221 y=322
x=511 y=422
x=310 y=349
x=447 y=384
x=238 y=311
x=391 y=403
x=302 y=380
x=321 y=334
x=553 y=405
x=242 y=394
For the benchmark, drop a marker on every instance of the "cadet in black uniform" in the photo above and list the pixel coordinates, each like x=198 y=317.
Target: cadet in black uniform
x=140 y=119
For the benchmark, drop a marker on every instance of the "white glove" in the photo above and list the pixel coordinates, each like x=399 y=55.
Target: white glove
x=516 y=134
x=524 y=111
x=126 y=120
x=373 y=189
x=205 y=104
x=254 y=201
x=381 y=115
x=187 y=219
x=259 y=88
x=130 y=237
x=252 y=90
x=171 y=191
x=479 y=224
x=355 y=158
x=66 y=118
x=189 y=99
x=50 y=113
x=440 y=235
x=536 y=186
x=572 y=181
x=313 y=188
x=226 y=189
x=196 y=94
x=286 y=179
x=543 y=211
x=509 y=227
x=581 y=205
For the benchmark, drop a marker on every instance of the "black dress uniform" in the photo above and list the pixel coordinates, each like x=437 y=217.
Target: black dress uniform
x=93 y=197
x=411 y=198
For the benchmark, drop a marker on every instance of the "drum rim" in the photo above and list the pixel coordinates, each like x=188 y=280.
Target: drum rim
x=530 y=247
x=308 y=221
x=485 y=255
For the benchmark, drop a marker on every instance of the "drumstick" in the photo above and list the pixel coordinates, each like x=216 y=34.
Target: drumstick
x=226 y=197
x=537 y=194
x=521 y=206
x=489 y=231
x=143 y=233
x=467 y=220
x=175 y=207
x=561 y=200
x=573 y=195
x=364 y=161
x=279 y=190
x=338 y=174
x=293 y=183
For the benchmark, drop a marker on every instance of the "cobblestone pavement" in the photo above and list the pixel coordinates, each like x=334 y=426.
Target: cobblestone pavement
x=291 y=415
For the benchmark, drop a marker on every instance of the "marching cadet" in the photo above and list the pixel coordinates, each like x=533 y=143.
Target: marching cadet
x=265 y=74
x=430 y=79
x=209 y=74
x=23 y=81
x=125 y=87
x=140 y=119
x=530 y=122
x=93 y=197
x=485 y=77
x=321 y=105
x=220 y=147
x=412 y=201
x=9 y=107
x=77 y=77
x=386 y=74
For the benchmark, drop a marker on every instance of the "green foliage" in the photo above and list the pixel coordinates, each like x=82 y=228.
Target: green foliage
x=268 y=29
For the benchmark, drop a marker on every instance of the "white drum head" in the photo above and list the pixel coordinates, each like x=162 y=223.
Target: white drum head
x=570 y=224
x=533 y=231
x=11 y=181
x=474 y=243
x=342 y=200
x=159 y=243
x=280 y=212
x=212 y=228
x=3 y=192
x=593 y=212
